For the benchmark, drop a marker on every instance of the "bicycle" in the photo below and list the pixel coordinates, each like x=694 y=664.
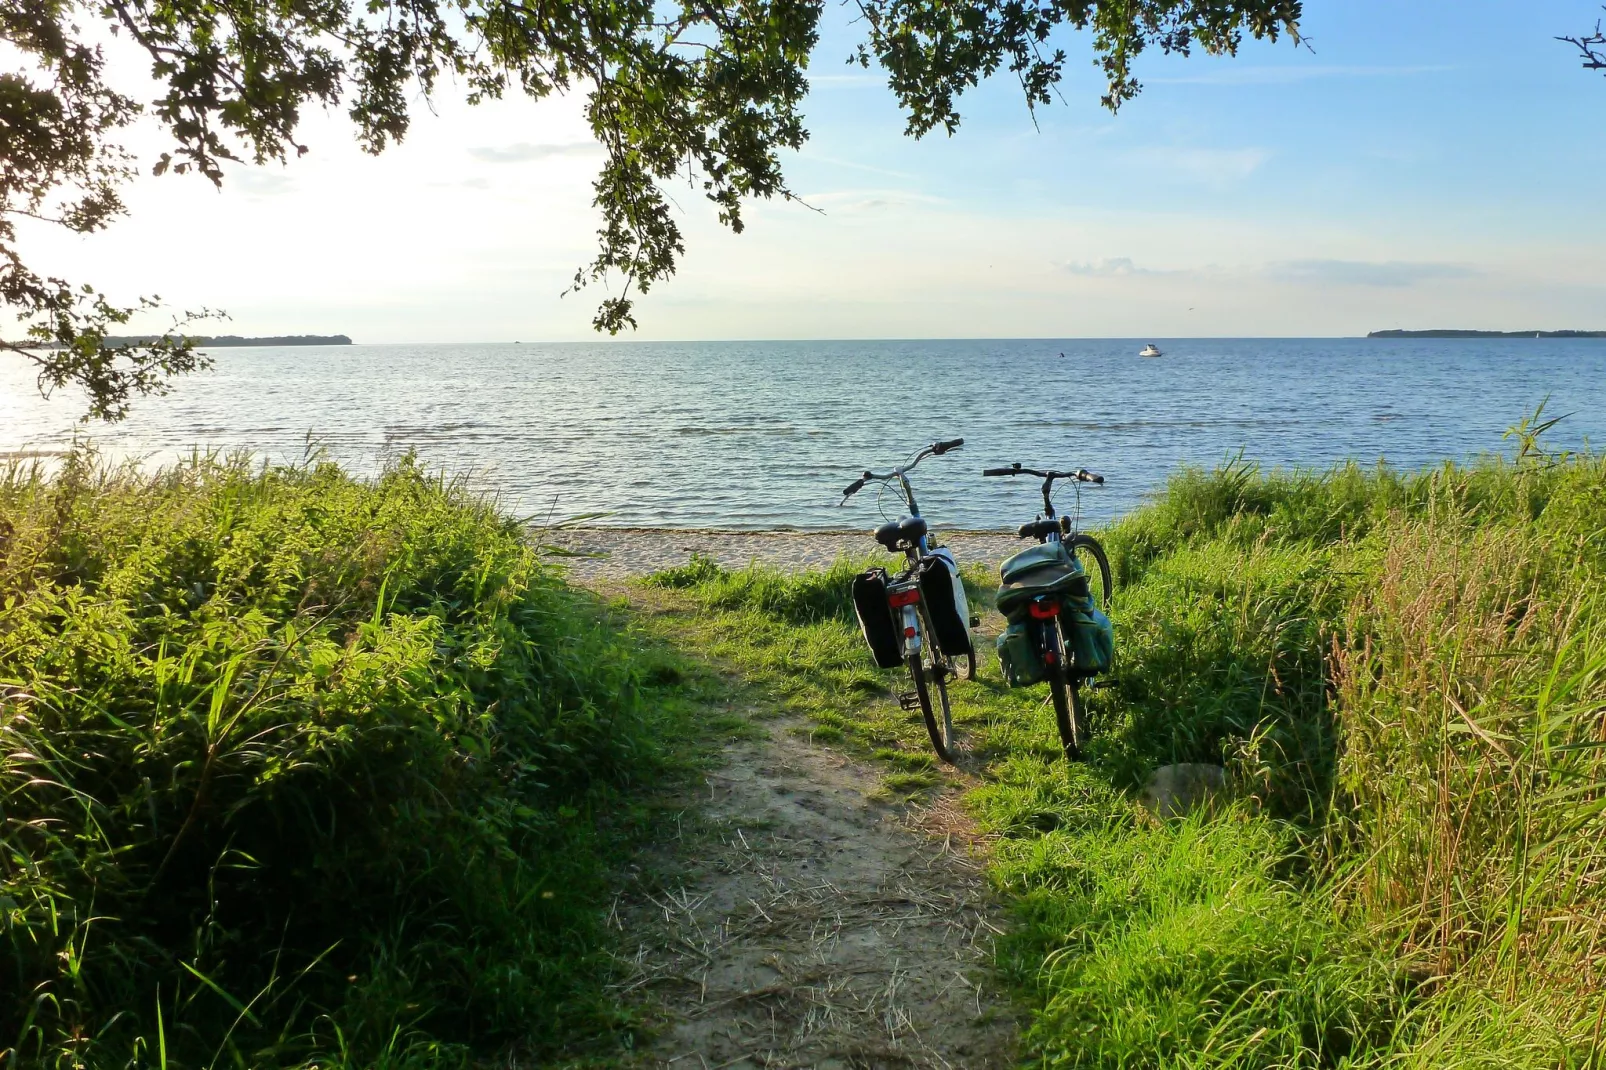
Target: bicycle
x=918 y=618
x=1047 y=597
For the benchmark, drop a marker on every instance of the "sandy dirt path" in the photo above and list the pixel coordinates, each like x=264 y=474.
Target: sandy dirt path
x=618 y=553
x=800 y=919
x=798 y=916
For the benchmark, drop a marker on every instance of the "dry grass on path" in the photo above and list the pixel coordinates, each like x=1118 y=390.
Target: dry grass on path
x=799 y=920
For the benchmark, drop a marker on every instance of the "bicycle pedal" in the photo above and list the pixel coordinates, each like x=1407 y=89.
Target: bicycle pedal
x=1105 y=681
x=909 y=700
x=975 y=622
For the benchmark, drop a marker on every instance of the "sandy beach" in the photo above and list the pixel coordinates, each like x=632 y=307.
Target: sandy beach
x=619 y=553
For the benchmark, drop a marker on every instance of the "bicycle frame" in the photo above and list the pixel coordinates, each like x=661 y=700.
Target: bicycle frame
x=1043 y=616
x=1059 y=532
x=901 y=474
x=903 y=596
x=922 y=650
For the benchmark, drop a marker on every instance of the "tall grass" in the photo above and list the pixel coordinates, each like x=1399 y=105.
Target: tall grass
x=298 y=769
x=1405 y=674
x=1472 y=688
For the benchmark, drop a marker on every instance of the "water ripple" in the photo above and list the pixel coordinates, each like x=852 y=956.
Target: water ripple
x=763 y=434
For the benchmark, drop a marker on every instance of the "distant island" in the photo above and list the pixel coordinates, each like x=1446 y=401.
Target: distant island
x=223 y=340
x=1487 y=334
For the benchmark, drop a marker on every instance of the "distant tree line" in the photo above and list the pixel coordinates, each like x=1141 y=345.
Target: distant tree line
x=1487 y=334
x=222 y=340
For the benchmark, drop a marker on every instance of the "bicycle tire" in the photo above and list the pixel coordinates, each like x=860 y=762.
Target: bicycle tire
x=1100 y=558
x=1069 y=714
x=941 y=736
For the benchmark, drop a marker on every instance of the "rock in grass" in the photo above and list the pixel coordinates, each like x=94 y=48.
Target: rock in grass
x=1176 y=790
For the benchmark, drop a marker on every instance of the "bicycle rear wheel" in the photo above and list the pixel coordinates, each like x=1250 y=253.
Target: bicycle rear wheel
x=934 y=709
x=1099 y=578
x=1069 y=714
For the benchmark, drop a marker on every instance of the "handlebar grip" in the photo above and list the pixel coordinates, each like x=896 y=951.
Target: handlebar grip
x=998 y=471
x=1027 y=531
x=940 y=448
x=853 y=488
x=1089 y=477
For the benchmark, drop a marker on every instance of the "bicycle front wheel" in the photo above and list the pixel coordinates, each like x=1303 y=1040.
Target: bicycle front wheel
x=931 y=688
x=1069 y=714
x=1099 y=577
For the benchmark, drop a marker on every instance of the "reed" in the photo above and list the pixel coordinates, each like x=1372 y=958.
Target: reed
x=1471 y=683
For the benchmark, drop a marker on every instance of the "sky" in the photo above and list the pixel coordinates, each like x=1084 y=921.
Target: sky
x=1417 y=163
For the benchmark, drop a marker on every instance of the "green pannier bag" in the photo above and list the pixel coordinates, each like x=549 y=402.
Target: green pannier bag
x=1091 y=639
x=1047 y=568
x=1018 y=655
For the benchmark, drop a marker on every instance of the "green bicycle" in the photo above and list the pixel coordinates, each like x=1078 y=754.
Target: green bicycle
x=1057 y=629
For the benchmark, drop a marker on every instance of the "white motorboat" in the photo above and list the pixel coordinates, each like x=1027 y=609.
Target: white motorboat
x=1150 y=351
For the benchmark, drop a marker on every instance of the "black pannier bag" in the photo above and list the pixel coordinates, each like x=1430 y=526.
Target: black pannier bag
x=875 y=618
x=943 y=592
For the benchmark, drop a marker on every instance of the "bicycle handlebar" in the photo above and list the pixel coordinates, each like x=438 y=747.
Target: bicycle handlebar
x=936 y=449
x=1081 y=474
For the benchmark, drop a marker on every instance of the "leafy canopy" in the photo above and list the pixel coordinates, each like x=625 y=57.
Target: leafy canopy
x=704 y=90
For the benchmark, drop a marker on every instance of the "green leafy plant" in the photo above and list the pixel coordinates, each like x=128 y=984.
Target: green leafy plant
x=297 y=768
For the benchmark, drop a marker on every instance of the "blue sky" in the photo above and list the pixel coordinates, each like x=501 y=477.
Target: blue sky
x=1418 y=164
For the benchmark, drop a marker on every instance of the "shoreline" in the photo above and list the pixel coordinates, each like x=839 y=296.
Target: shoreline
x=607 y=553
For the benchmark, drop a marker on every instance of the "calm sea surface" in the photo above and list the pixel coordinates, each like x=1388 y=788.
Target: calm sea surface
x=756 y=434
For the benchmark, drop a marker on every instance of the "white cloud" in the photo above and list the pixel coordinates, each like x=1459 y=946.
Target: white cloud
x=1210 y=166
x=1388 y=274
x=1111 y=268
x=845 y=81
x=260 y=181
x=868 y=200
x=1282 y=75
x=524 y=152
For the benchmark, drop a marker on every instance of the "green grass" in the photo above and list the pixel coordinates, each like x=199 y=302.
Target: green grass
x=297 y=769
x=303 y=770
x=1405 y=676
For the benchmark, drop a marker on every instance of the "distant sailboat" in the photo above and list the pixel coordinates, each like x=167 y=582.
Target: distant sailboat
x=1150 y=351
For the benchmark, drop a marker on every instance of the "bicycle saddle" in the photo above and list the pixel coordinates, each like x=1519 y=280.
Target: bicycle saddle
x=910 y=529
x=1039 y=529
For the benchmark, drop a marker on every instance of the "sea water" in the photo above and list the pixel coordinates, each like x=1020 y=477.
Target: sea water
x=766 y=434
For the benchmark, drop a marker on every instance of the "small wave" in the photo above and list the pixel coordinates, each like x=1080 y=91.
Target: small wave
x=431 y=429
x=755 y=429
x=1151 y=425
